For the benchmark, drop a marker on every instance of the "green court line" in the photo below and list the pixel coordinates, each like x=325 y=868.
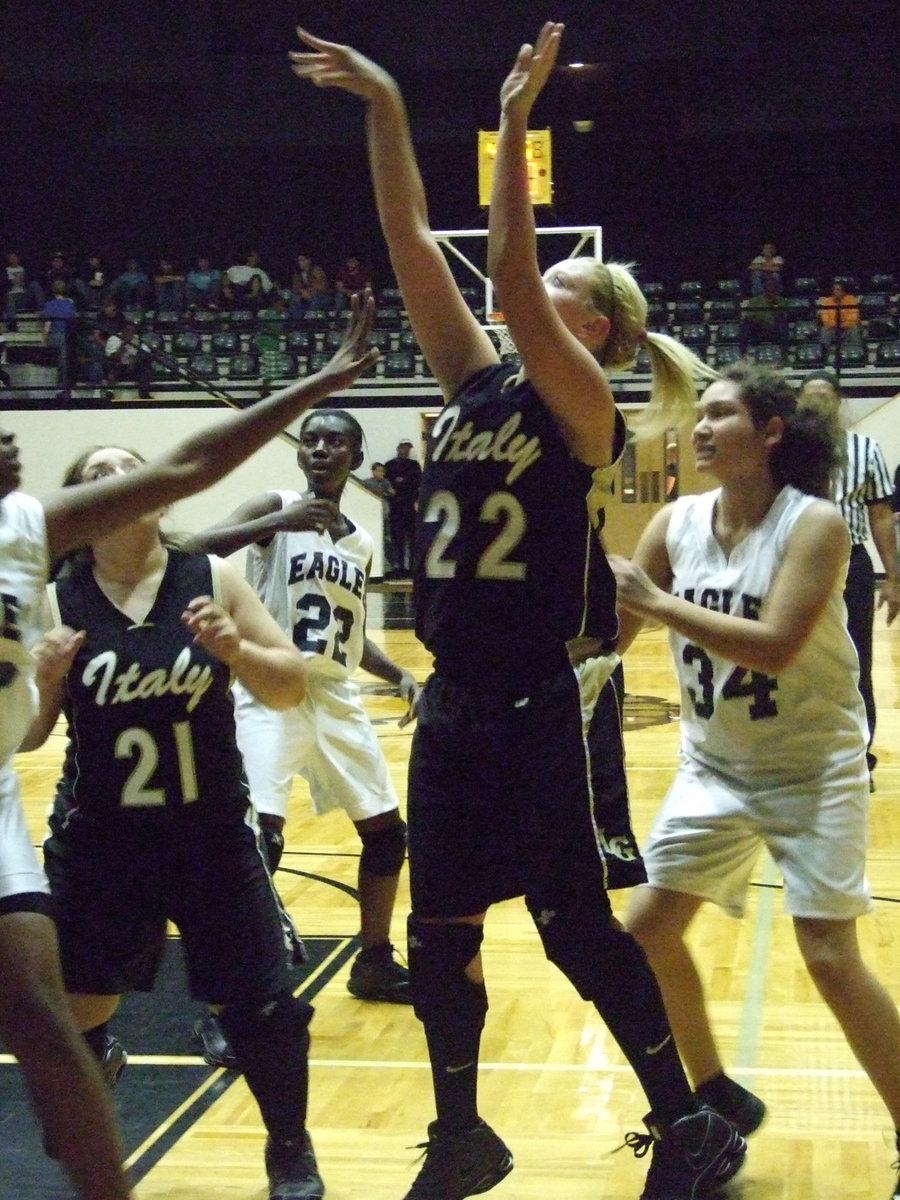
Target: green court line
x=750 y=1026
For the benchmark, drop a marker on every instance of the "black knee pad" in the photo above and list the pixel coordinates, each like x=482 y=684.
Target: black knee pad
x=272 y=840
x=438 y=957
x=270 y=1040
x=592 y=953
x=281 y=1021
x=383 y=850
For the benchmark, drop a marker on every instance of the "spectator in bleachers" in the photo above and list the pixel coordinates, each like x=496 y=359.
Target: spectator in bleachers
x=126 y=359
x=90 y=353
x=352 y=276
x=59 y=269
x=766 y=316
x=22 y=294
x=59 y=314
x=110 y=318
x=321 y=293
x=768 y=264
x=203 y=285
x=92 y=281
x=132 y=288
x=839 y=317
x=168 y=287
x=303 y=276
x=246 y=284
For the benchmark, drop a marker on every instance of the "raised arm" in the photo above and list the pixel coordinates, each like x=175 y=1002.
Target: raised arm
x=77 y=514
x=814 y=561
x=565 y=373
x=452 y=341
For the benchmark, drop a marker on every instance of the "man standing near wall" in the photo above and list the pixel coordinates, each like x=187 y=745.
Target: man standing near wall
x=404 y=475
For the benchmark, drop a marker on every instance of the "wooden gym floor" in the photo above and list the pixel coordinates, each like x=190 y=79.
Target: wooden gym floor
x=552 y=1083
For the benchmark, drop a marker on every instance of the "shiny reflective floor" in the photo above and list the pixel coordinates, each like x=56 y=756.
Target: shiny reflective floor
x=553 y=1084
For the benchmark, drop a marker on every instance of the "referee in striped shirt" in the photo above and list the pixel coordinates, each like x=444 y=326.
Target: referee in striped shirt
x=863 y=492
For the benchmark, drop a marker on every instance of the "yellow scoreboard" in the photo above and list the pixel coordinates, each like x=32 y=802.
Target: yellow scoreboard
x=538 y=156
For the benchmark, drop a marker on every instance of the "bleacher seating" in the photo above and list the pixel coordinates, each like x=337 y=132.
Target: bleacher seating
x=881 y=329
x=399 y=363
x=185 y=343
x=729 y=333
x=805 y=331
x=724 y=310
x=854 y=354
x=696 y=337
x=406 y=340
x=225 y=342
x=874 y=304
x=887 y=354
x=809 y=356
x=242 y=320
x=245 y=346
x=205 y=321
x=690 y=289
x=243 y=366
x=688 y=312
x=278 y=364
x=726 y=353
x=806 y=285
x=167 y=321
x=728 y=289
x=768 y=354
x=203 y=366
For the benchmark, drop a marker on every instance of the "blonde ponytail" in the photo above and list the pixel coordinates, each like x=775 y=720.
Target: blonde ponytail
x=675 y=368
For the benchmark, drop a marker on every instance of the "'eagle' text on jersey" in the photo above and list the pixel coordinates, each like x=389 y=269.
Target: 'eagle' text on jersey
x=502 y=445
x=722 y=600
x=132 y=684
x=330 y=567
x=9 y=617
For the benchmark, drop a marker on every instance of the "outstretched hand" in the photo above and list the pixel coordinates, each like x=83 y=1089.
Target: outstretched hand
x=531 y=70
x=329 y=64
x=352 y=357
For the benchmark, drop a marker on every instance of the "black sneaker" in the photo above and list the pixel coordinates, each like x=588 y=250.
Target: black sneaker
x=460 y=1164
x=214 y=1045
x=691 y=1158
x=292 y=1170
x=376 y=975
x=736 y=1104
x=113 y=1060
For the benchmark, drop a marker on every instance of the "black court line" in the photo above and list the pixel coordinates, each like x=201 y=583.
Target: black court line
x=149 y=1025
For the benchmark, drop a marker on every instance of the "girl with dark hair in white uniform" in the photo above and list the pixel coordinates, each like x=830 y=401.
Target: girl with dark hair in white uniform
x=749 y=580
x=309 y=563
x=508 y=569
x=36 y=1023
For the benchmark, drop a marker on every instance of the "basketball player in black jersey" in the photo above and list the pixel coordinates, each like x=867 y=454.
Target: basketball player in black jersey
x=63 y=1082
x=508 y=569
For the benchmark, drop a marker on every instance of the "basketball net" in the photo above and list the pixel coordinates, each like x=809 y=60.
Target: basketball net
x=499 y=334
